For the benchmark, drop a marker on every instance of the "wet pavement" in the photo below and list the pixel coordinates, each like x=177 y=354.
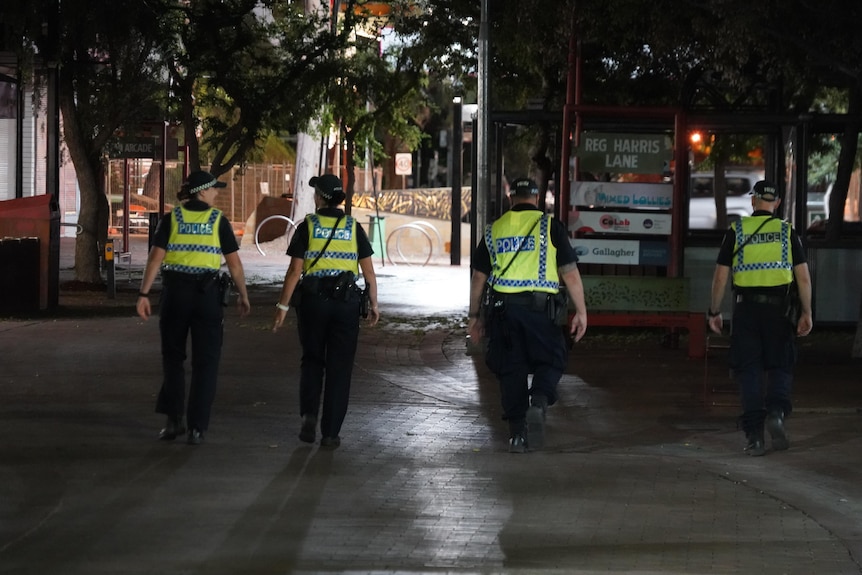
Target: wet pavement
x=642 y=473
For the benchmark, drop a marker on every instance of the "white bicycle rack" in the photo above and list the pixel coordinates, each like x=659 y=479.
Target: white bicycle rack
x=421 y=227
x=291 y=227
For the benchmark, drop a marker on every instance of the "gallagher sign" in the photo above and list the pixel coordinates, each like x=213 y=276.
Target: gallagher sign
x=621 y=252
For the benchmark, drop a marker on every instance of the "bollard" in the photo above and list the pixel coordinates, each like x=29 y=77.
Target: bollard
x=109 y=266
x=377 y=236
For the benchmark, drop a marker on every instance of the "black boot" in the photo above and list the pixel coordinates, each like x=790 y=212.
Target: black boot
x=541 y=401
x=775 y=426
x=309 y=428
x=517 y=436
x=173 y=427
x=756 y=446
x=536 y=421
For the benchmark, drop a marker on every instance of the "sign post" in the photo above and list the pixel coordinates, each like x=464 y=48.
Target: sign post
x=403 y=166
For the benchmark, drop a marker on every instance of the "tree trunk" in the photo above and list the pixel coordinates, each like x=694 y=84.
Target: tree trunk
x=93 y=215
x=307 y=166
x=350 y=165
x=543 y=165
x=93 y=219
x=846 y=162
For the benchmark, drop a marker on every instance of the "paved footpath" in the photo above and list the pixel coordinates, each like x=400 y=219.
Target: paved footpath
x=642 y=474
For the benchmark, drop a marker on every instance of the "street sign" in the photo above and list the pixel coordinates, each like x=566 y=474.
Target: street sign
x=133 y=148
x=624 y=153
x=403 y=164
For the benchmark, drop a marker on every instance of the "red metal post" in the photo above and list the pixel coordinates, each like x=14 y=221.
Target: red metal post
x=569 y=136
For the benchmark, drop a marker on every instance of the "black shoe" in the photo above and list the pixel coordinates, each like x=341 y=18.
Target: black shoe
x=307 y=432
x=541 y=401
x=518 y=443
x=330 y=442
x=195 y=436
x=775 y=426
x=173 y=427
x=536 y=427
x=756 y=446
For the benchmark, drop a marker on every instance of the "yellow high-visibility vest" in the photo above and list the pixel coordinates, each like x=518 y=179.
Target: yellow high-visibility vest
x=193 y=244
x=766 y=260
x=341 y=253
x=534 y=267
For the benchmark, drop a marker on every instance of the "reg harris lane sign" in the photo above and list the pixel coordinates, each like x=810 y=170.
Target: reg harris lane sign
x=624 y=153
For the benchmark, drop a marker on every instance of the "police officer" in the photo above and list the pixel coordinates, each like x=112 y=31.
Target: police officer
x=521 y=261
x=327 y=251
x=764 y=255
x=188 y=246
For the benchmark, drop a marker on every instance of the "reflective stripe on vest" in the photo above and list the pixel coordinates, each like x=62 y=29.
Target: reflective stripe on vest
x=341 y=253
x=530 y=269
x=767 y=259
x=193 y=244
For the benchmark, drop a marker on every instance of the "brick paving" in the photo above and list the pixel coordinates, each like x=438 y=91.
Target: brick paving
x=642 y=473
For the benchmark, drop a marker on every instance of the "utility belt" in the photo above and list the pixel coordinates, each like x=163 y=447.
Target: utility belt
x=789 y=302
x=332 y=287
x=761 y=298
x=535 y=300
x=183 y=277
x=200 y=282
x=555 y=305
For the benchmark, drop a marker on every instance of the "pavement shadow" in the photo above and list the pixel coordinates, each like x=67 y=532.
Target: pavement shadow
x=269 y=536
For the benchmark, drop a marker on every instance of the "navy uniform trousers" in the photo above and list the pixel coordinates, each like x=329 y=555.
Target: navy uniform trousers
x=328 y=331
x=190 y=304
x=762 y=342
x=522 y=340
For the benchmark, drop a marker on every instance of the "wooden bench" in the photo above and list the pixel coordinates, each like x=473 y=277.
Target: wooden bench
x=645 y=301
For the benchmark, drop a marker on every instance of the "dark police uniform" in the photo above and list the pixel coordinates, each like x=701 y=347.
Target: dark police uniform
x=522 y=337
x=328 y=317
x=195 y=237
x=762 y=338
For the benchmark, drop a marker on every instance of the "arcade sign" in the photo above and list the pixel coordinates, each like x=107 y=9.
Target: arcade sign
x=133 y=148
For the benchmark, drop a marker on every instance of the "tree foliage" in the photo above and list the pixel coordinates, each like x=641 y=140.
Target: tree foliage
x=236 y=71
x=106 y=70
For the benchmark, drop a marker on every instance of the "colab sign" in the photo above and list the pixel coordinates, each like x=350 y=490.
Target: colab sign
x=624 y=153
x=599 y=222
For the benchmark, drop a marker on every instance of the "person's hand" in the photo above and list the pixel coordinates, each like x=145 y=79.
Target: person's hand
x=278 y=320
x=805 y=324
x=143 y=307
x=716 y=323
x=476 y=329
x=243 y=305
x=373 y=315
x=578 y=325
